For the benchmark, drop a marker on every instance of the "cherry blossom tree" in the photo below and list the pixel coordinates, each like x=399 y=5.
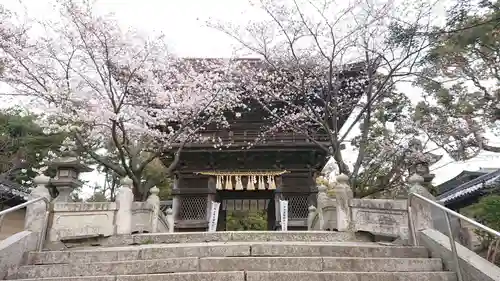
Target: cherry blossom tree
x=323 y=60
x=119 y=93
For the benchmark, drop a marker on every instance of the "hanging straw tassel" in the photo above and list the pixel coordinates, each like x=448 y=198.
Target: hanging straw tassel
x=262 y=184
x=250 y=183
x=218 y=183
x=239 y=185
x=270 y=182
x=229 y=184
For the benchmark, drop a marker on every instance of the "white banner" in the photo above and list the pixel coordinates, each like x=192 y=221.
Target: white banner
x=284 y=215
x=214 y=217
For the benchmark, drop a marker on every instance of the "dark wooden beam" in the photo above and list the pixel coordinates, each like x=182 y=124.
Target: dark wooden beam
x=193 y=191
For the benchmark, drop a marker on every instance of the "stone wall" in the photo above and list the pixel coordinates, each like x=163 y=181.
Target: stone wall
x=12 y=223
x=382 y=217
x=72 y=220
x=473 y=267
x=12 y=251
x=78 y=220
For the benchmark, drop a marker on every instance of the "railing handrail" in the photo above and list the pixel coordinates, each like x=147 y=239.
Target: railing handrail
x=45 y=221
x=455 y=214
x=447 y=213
x=20 y=206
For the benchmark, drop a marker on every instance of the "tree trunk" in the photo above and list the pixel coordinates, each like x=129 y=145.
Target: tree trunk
x=138 y=194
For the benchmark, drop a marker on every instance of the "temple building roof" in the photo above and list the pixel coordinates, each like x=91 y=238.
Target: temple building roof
x=12 y=193
x=482 y=179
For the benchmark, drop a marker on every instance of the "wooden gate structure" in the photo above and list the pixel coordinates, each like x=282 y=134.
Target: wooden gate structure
x=281 y=166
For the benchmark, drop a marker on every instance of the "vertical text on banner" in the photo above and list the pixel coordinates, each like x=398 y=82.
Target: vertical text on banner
x=284 y=215
x=214 y=217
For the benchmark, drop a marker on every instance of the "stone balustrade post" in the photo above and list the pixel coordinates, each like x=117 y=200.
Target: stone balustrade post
x=421 y=211
x=310 y=217
x=170 y=220
x=343 y=194
x=36 y=213
x=154 y=200
x=124 y=199
x=322 y=203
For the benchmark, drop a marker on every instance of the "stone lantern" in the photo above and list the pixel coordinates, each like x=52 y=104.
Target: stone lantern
x=68 y=169
x=422 y=168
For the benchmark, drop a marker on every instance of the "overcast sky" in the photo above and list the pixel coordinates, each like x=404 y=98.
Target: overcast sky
x=181 y=21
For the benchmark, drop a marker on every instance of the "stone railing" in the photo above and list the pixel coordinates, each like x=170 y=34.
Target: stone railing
x=73 y=220
x=383 y=217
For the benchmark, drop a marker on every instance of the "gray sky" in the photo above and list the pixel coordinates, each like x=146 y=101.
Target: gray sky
x=182 y=23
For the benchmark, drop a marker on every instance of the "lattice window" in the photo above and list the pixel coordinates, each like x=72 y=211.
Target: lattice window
x=193 y=208
x=297 y=206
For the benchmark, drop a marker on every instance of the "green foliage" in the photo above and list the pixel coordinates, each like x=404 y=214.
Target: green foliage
x=460 y=79
x=155 y=172
x=487 y=212
x=24 y=145
x=402 y=36
x=246 y=220
x=387 y=154
x=330 y=188
x=98 y=197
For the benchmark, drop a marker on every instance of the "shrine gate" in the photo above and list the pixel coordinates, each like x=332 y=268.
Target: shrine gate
x=246 y=174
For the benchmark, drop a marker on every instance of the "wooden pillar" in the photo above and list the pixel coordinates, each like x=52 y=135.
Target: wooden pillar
x=313 y=190
x=271 y=215
x=221 y=223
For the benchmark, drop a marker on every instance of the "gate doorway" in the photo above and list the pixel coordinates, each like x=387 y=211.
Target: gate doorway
x=246 y=210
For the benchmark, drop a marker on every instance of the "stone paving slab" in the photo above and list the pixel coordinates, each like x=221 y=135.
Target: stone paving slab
x=230 y=249
x=270 y=276
x=221 y=264
x=319 y=264
x=257 y=236
x=189 y=276
x=349 y=276
x=110 y=268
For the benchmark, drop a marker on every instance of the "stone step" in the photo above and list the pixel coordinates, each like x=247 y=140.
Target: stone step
x=231 y=264
x=228 y=236
x=230 y=249
x=269 y=276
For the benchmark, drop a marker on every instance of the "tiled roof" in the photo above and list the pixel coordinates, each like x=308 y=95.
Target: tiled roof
x=471 y=187
x=464 y=177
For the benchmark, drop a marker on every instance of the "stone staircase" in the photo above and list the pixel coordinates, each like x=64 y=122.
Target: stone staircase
x=235 y=256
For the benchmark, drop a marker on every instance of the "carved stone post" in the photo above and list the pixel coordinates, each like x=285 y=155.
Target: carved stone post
x=421 y=211
x=36 y=213
x=66 y=180
x=278 y=195
x=175 y=199
x=322 y=203
x=310 y=217
x=124 y=199
x=170 y=220
x=343 y=194
x=154 y=200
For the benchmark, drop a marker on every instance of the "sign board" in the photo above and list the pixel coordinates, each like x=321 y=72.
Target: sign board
x=214 y=217
x=284 y=215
